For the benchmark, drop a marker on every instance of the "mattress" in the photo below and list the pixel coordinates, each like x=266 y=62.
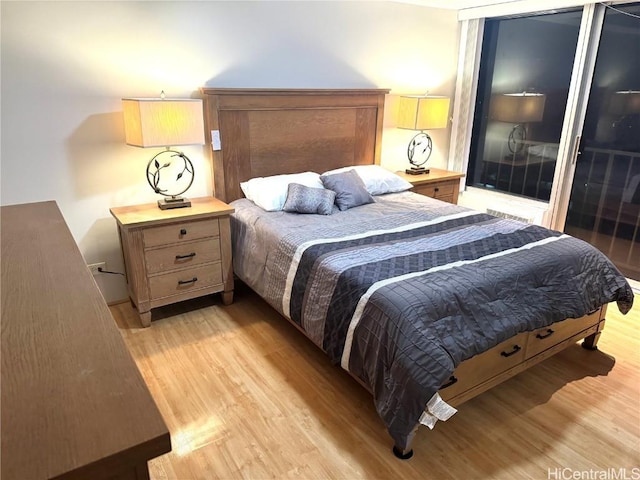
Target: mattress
x=401 y=291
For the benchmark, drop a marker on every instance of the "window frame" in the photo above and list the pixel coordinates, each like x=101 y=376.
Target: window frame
x=552 y=213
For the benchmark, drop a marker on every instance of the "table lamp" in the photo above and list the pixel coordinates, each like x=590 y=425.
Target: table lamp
x=624 y=106
x=421 y=112
x=625 y=102
x=519 y=109
x=163 y=122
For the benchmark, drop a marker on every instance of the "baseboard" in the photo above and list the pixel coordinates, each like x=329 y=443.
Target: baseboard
x=118 y=302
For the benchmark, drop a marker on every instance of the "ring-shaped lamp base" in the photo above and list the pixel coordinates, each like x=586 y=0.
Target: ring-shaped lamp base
x=517 y=137
x=418 y=152
x=183 y=180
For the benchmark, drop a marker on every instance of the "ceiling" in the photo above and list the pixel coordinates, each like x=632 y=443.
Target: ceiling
x=455 y=4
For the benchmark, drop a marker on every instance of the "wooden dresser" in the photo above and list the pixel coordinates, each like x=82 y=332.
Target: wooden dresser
x=178 y=254
x=74 y=405
x=441 y=184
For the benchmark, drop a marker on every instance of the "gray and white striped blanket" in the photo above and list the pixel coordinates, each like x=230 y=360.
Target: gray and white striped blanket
x=401 y=291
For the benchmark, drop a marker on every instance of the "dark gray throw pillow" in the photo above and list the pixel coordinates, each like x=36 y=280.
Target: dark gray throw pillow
x=302 y=199
x=349 y=187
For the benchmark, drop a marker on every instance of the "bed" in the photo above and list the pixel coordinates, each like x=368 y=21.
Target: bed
x=419 y=300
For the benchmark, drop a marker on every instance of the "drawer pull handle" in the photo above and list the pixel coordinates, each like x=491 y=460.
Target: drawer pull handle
x=516 y=349
x=188 y=255
x=183 y=231
x=546 y=335
x=185 y=282
x=452 y=380
x=436 y=189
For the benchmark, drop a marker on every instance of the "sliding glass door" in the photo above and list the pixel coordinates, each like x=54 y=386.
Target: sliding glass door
x=524 y=80
x=604 y=203
x=557 y=121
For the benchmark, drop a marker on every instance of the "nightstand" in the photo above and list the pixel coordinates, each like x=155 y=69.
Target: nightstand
x=440 y=184
x=177 y=254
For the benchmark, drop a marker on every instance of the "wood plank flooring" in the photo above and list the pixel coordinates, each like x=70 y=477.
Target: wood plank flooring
x=245 y=395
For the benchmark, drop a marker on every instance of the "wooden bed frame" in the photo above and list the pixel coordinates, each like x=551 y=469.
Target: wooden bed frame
x=270 y=132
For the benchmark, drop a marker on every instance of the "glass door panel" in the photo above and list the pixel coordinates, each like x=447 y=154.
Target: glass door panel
x=604 y=206
x=523 y=85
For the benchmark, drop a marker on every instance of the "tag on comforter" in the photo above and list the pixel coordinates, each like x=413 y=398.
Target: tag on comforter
x=437 y=409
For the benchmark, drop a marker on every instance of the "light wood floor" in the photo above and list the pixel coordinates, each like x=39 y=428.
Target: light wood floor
x=245 y=395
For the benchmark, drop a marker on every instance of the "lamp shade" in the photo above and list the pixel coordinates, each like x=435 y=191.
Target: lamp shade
x=625 y=102
x=517 y=107
x=422 y=112
x=154 y=122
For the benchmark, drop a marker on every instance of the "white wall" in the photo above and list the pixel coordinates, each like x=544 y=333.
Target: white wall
x=66 y=65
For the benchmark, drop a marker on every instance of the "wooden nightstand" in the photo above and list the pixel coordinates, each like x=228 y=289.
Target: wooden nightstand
x=441 y=184
x=174 y=255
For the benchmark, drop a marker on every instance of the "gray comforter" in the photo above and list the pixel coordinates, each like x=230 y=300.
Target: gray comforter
x=401 y=291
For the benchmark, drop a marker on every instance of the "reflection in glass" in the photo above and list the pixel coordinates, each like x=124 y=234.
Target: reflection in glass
x=604 y=208
x=525 y=71
x=520 y=109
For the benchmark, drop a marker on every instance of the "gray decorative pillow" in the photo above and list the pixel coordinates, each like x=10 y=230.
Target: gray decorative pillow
x=349 y=187
x=302 y=199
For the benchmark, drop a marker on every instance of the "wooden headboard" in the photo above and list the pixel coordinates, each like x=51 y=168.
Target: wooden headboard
x=274 y=131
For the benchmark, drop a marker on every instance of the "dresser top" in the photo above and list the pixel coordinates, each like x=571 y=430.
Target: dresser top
x=74 y=404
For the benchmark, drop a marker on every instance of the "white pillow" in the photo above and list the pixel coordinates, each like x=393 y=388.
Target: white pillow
x=377 y=180
x=270 y=193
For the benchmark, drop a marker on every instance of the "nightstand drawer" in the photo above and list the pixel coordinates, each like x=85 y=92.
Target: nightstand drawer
x=182 y=255
x=184 y=280
x=180 y=232
x=446 y=198
x=436 y=190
